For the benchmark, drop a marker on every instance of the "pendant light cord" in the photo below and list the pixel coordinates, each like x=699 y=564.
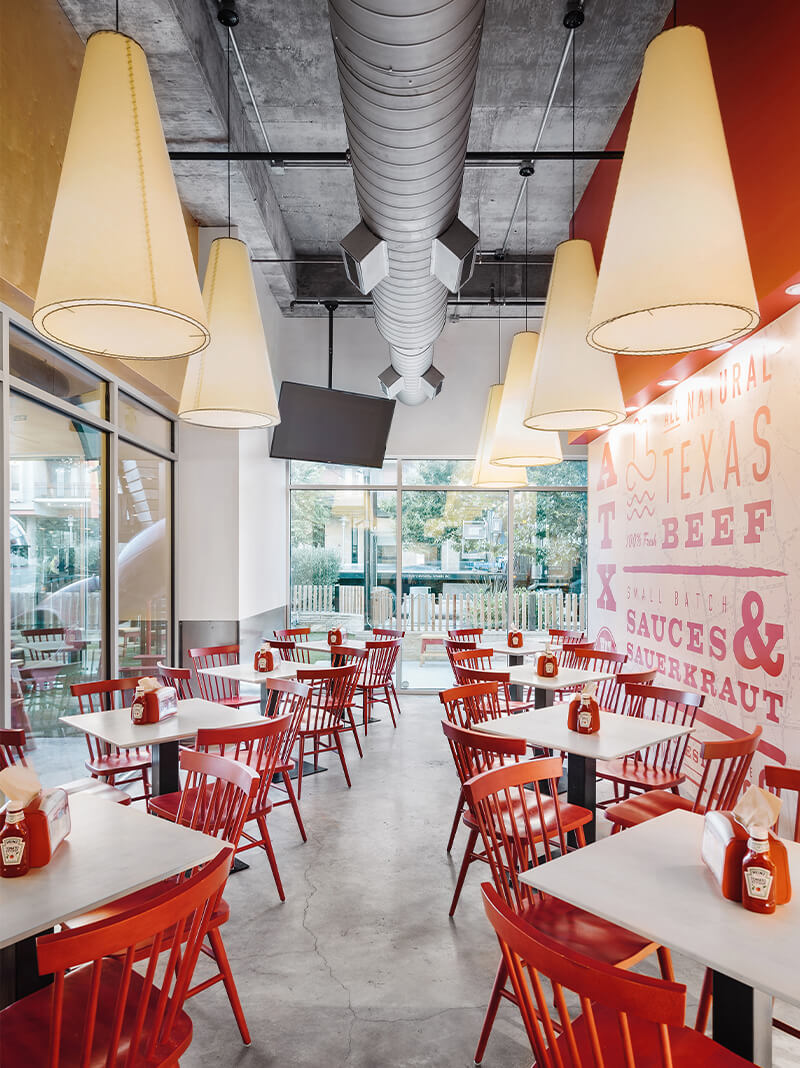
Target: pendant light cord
x=572 y=215
x=116 y=5
x=499 y=343
x=674 y=14
x=228 y=120
x=527 y=185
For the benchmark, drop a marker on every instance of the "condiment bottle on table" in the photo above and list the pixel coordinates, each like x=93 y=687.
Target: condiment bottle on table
x=264 y=658
x=758 y=873
x=14 y=842
x=584 y=712
x=547 y=664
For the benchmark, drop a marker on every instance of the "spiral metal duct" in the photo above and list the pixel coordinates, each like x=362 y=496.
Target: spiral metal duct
x=407 y=77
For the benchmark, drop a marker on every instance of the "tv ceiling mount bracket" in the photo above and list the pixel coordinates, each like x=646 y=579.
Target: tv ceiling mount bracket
x=331 y=305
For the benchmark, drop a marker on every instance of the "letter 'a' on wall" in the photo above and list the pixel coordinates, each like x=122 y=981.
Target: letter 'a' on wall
x=675 y=273
x=118 y=278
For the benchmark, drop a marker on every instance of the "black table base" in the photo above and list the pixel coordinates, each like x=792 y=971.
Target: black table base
x=741 y=1019
x=582 y=788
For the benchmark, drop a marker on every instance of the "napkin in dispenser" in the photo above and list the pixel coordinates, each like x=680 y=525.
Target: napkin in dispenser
x=46 y=811
x=153 y=702
x=725 y=837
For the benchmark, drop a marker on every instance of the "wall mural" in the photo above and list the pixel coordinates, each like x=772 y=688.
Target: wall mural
x=694 y=551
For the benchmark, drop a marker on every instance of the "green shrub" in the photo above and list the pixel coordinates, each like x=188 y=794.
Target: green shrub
x=313 y=565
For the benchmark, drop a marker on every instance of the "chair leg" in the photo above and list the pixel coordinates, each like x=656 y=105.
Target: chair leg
x=665 y=964
x=355 y=732
x=456 y=819
x=262 y=826
x=394 y=695
x=287 y=782
x=389 y=705
x=367 y=710
x=221 y=957
x=491 y=1010
x=465 y=863
x=338 y=742
x=704 y=1004
x=300 y=767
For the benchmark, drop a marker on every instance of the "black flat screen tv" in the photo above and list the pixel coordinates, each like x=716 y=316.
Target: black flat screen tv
x=331 y=426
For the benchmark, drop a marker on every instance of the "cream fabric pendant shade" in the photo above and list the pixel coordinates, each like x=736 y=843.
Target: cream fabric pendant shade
x=485 y=473
x=514 y=444
x=229 y=385
x=573 y=386
x=118 y=278
x=675 y=273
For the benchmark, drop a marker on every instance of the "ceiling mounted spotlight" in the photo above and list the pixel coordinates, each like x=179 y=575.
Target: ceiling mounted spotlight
x=227 y=13
x=574 y=15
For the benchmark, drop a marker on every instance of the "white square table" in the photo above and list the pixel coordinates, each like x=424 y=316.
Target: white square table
x=284 y=669
x=115 y=727
x=545 y=689
x=618 y=736
x=112 y=850
x=651 y=879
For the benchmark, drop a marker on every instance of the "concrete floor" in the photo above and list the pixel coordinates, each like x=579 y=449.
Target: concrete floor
x=361 y=966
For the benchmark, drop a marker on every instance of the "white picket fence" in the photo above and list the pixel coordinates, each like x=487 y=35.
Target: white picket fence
x=420 y=611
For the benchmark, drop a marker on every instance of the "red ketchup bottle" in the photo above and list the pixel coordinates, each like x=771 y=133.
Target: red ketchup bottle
x=547 y=665
x=14 y=843
x=584 y=714
x=758 y=873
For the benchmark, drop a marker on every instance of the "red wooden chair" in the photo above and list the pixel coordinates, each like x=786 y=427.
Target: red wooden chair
x=474 y=753
x=329 y=713
x=286 y=649
x=557 y=636
x=587 y=659
x=257 y=747
x=466 y=634
x=477 y=658
x=725 y=767
x=502 y=677
x=106 y=761
x=457 y=645
x=343 y=656
x=293 y=634
x=214 y=687
x=509 y=817
x=100 y=1010
x=617 y=700
x=288 y=698
x=625 y=1018
x=12 y=751
x=386 y=632
x=38 y=638
x=378 y=678
x=179 y=678
x=216 y=799
x=659 y=767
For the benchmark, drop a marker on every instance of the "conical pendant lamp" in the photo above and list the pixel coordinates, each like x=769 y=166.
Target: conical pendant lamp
x=229 y=385
x=675 y=273
x=573 y=387
x=486 y=474
x=514 y=444
x=118 y=278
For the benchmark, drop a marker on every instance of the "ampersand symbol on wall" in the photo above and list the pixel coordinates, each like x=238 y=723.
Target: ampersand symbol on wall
x=750 y=634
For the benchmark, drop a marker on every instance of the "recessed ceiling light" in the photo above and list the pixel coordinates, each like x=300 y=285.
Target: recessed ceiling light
x=668 y=382
x=631 y=407
x=720 y=348
x=794 y=289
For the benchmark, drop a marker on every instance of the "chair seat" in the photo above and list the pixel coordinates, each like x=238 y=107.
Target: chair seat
x=689 y=1047
x=285 y=765
x=646 y=807
x=119 y=763
x=166 y=805
x=572 y=817
x=236 y=702
x=586 y=933
x=25 y=1025
x=140 y=899
x=638 y=775
x=101 y=790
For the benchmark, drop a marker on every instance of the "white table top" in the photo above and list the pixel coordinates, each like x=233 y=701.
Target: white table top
x=652 y=880
x=618 y=735
x=323 y=647
x=525 y=675
x=115 y=726
x=111 y=850
x=500 y=646
x=285 y=669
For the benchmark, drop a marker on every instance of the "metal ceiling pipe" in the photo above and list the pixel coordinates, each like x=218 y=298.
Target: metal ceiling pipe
x=407 y=73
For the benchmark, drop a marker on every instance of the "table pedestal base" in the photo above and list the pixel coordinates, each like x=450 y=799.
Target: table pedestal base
x=19 y=971
x=742 y=1019
x=165 y=773
x=582 y=788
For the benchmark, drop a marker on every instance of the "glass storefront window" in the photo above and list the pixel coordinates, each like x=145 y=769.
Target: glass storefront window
x=142 y=422
x=144 y=559
x=57 y=525
x=303 y=472
x=567 y=473
x=343 y=559
x=437 y=472
x=34 y=362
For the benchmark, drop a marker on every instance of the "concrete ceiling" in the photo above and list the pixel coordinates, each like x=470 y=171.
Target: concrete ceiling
x=287 y=51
